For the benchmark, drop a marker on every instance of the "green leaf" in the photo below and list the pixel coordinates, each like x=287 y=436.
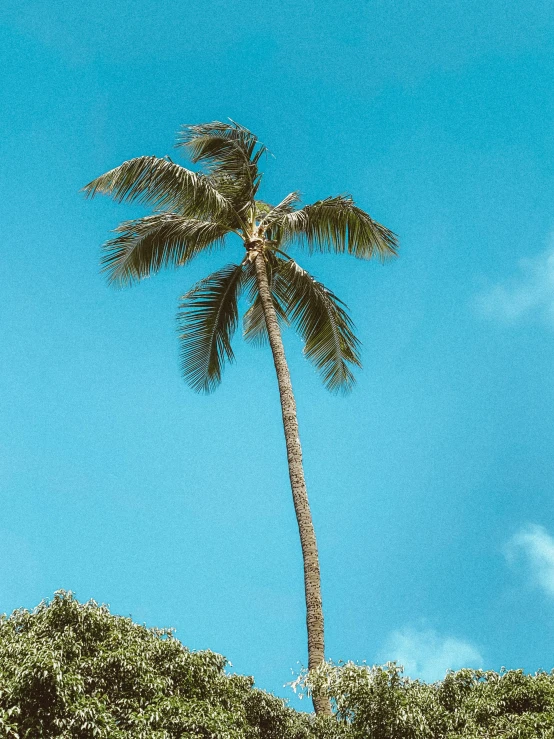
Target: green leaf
x=207 y=321
x=163 y=184
x=145 y=245
x=275 y=214
x=322 y=321
x=335 y=224
x=227 y=150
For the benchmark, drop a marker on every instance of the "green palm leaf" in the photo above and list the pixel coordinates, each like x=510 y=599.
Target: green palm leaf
x=336 y=224
x=207 y=321
x=145 y=245
x=322 y=321
x=275 y=214
x=163 y=184
x=226 y=150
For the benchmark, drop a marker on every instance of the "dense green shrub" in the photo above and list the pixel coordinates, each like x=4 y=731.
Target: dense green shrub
x=75 y=671
x=380 y=703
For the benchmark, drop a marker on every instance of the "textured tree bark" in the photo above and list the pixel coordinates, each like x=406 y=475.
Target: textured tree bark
x=312 y=580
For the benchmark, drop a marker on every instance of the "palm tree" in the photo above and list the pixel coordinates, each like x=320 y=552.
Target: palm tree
x=194 y=212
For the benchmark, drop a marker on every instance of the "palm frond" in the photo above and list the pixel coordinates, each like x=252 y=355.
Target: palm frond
x=145 y=245
x=335 y=224
x=226 y=149
x=275 y=214
x=207 y=320
x=237 y=191
x=163 y=184
x=322 y=321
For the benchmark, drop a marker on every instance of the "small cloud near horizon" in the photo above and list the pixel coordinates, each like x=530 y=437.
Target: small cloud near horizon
x=530 y=293
x=537 y=546
x=427 y=655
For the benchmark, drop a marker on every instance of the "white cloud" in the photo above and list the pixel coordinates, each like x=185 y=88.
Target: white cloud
x=537 y=546
x=427 y=655
x=530 y=293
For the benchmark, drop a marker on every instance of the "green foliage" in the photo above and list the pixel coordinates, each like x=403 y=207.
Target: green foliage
x=380 y=703
x=335 y=224
x=322 y=321
x=75 y=671
x=208 y=318
x=230 y=153
x=162 y=184
x=317 y=315
x=196 y=211
x=207 y=321
x=144 y=246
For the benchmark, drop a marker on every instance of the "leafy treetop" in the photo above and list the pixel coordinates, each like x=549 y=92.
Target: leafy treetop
x=75 y=671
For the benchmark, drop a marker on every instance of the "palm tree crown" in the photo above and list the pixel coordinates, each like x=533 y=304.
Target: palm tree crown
x=195 y=212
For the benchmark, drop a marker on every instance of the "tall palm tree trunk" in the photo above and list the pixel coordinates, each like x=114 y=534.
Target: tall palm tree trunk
x=312 y=580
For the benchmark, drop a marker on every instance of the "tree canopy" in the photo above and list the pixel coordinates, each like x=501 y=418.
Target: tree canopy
x=196 y=212
x=381 y=703
x=70 y=669
x=75 y=671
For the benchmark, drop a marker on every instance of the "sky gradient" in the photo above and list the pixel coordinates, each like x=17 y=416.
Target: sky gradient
x=432 y=483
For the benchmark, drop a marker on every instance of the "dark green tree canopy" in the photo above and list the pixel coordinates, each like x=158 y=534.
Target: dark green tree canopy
x=75 y=671
x=380 y=703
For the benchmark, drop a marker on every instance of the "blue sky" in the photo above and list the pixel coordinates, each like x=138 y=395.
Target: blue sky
x=431 y=485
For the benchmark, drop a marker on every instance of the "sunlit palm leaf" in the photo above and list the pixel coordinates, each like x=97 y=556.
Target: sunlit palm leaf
x=226 y=149
x=276 y=213
x=322 y=321
x=163 y=184
x=336 y=225
x=145 y=245
x=207 y=319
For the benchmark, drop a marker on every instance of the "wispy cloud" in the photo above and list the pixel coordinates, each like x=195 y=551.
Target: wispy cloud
x=530 y=292
x=537 y=546
x=427 y=655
